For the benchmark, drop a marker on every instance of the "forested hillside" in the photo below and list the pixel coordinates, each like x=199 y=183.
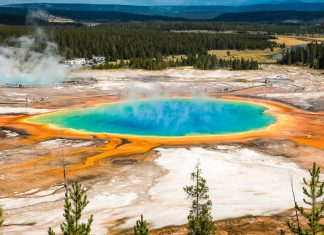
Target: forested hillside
x=224 y=26
x=20 y=16
x=128 y=43
x=174 y=10
x=108 y=16
x=12 y=19
x=103 y=13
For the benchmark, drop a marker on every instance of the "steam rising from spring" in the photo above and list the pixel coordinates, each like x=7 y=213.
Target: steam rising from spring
x=31 y=62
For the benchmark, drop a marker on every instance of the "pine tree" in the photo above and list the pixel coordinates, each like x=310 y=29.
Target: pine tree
x=1 y=217
x=311 y=55
x=75 y=202
x=313 y=191
x=50 y=231
x=282 y=232
x=141 y=227
x=200 y=221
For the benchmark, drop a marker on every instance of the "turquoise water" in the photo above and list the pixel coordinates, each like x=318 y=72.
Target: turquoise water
x=164 y=117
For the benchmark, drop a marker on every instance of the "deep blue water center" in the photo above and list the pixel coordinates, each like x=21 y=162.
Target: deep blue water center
x=164 y=117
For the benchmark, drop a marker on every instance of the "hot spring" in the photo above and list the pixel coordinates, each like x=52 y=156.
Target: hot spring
x=170 y=117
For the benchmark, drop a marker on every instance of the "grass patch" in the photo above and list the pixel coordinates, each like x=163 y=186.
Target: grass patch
x=296 y=40
x=262 y=56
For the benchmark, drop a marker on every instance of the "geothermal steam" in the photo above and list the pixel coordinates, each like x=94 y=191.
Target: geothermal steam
x=27 y=64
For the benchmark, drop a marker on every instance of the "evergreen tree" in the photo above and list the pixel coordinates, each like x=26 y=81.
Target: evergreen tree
x=141 y=227
x=50 y=231
x=116 y=43
x=312 y=55
x=1 y=217
x=282 y=232
x=200 y=221
x=314 y=192
x=75 y=202
x=201 y=61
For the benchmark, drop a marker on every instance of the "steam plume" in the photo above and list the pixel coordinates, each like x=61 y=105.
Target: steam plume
x=31 y=62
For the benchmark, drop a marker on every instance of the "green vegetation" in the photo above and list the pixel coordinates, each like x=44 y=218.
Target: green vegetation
x=20 y=16
x=200 y=221
x=150 y=63
x=126 y=44
x=313 y=191
x=203 y=62
x=1 y=218
x=10 y=31
x=281 y=13
x=239 y=27
x=75 y=202
x=312 y=55
x=148 y=45
x=261 y=56
x=130 y=43
x=210 y=62
x=141 y=227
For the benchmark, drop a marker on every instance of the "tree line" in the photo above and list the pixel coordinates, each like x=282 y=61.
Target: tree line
x=129 y=43
x=121 y=43
x=312 y=55
x=203 y=62
x=200 y=220
x=239 y=27
x=210 y=62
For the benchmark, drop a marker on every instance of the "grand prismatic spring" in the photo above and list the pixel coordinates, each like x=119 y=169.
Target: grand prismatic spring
x=164 y=117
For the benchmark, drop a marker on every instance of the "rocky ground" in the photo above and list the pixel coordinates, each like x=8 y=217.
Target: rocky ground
x=248 y=181
x=299 y=86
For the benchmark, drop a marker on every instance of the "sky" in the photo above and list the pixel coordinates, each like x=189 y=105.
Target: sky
x=158 y=2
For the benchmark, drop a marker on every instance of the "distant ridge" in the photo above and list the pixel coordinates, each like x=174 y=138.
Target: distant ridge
x=18 y=15
x=100 y=13
x=151 y=10
x=272 y=16
x=294 y=6
x=108 y=16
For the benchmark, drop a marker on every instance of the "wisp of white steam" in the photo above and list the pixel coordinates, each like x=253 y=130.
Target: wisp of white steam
x=23 y=65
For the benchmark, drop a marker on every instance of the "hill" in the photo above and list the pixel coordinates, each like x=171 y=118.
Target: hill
x=100 y=13
x=175 y=10
x=108 y=16
x=272 y=17
x=17 y=15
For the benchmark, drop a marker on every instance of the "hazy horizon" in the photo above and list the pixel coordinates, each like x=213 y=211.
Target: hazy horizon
x=161 y=2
